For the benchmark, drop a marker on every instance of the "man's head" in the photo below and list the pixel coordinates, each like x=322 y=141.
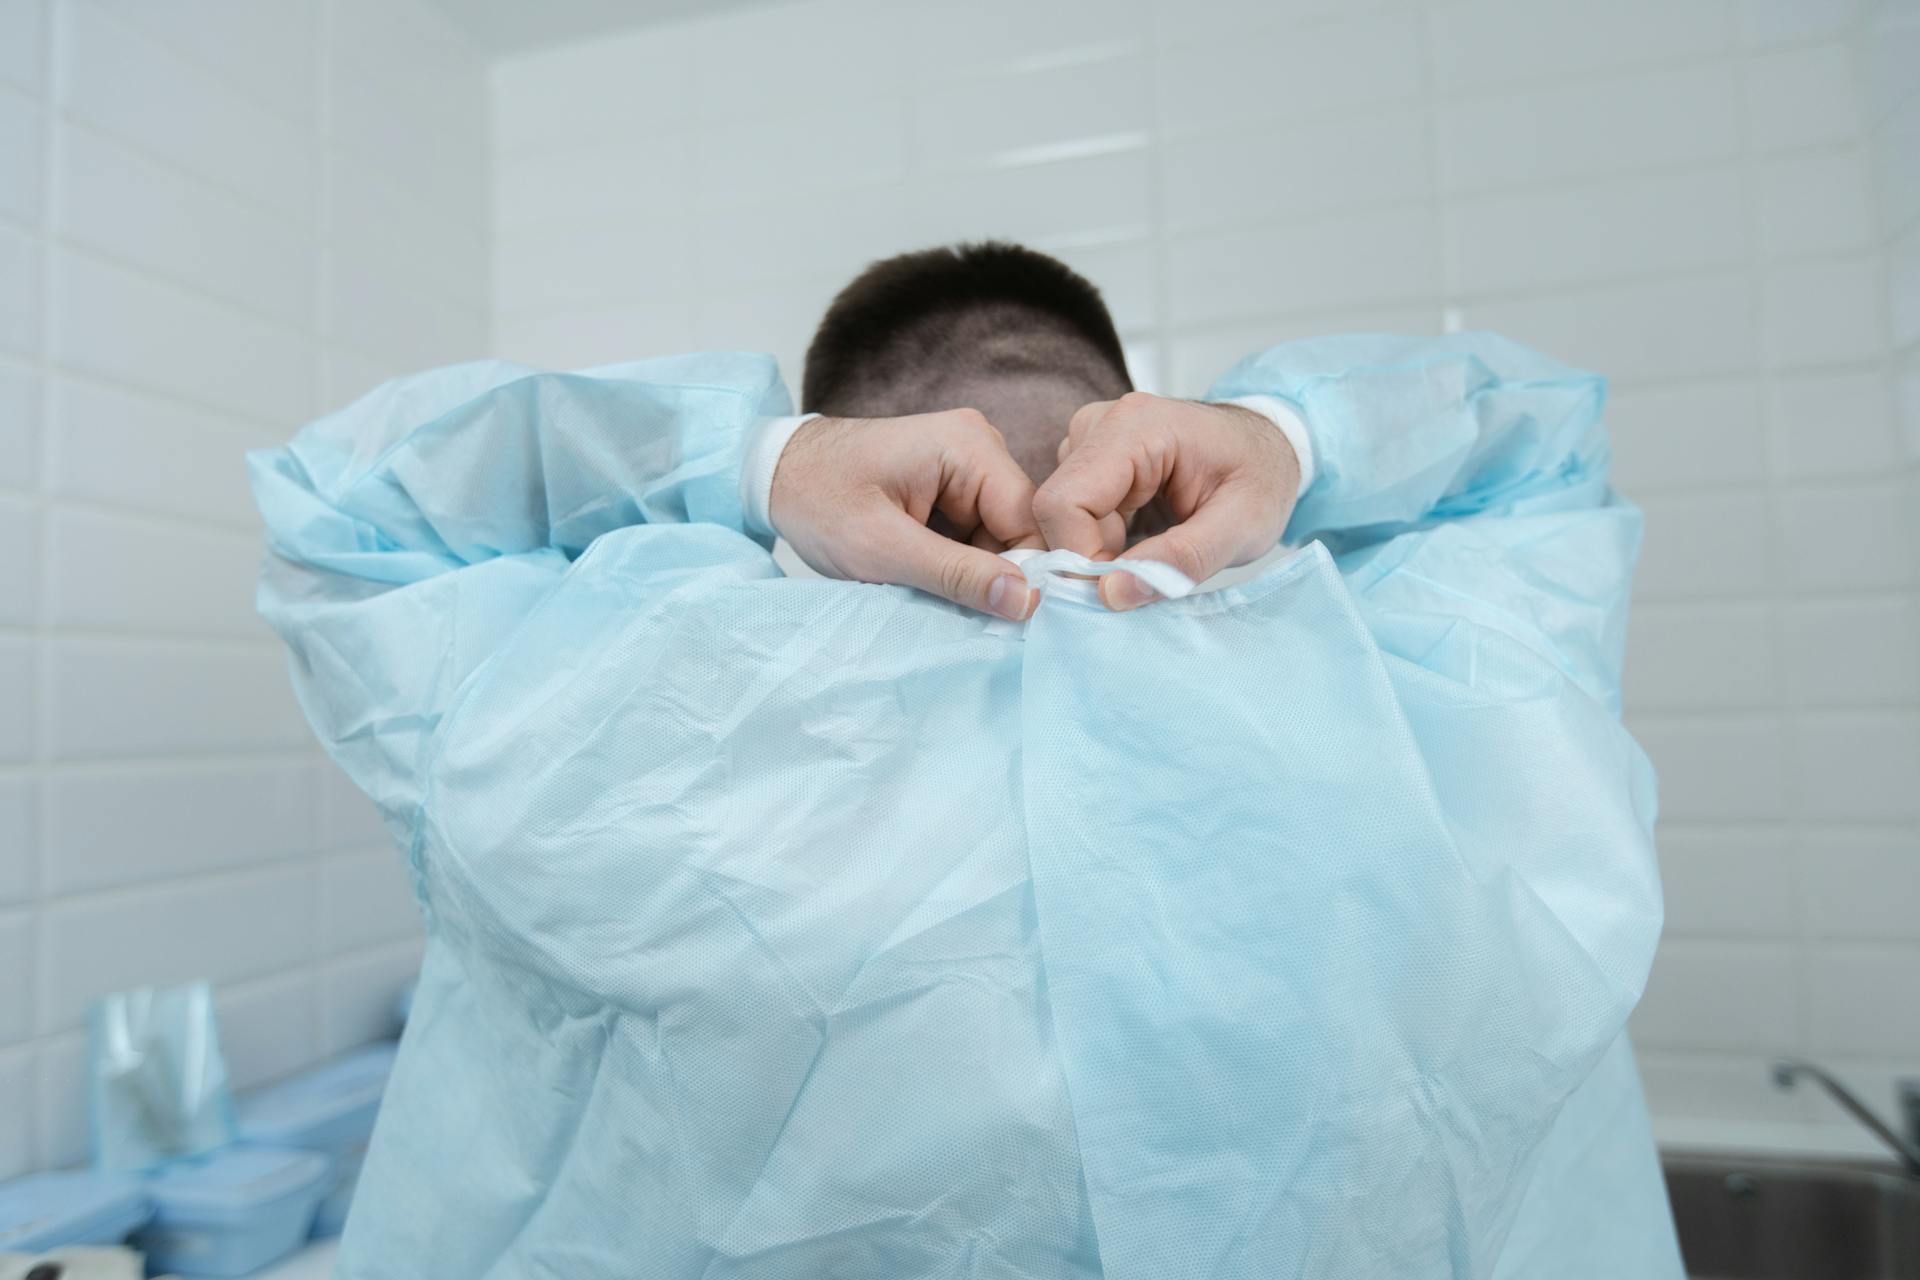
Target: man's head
x=995 y=327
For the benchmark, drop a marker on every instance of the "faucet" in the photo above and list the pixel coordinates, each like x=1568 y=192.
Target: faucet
x=1788 y=1071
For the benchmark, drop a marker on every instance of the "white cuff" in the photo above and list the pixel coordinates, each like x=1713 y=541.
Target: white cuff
x=1291 y=425
x=764 y=447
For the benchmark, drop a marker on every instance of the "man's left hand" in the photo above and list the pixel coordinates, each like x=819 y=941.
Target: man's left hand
x=1227 y=476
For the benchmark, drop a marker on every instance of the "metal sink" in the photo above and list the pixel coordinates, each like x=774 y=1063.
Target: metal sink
x=1766 y=1219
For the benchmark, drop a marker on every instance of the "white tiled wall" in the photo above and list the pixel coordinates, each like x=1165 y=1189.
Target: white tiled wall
x=216 y=217
x=1716 y=202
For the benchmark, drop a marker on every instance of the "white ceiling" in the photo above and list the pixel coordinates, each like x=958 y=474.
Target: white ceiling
x=511 y=26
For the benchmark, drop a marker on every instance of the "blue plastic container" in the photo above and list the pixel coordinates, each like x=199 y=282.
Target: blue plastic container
x=330 y=1109
x=47 y=1210
x=233 y=1211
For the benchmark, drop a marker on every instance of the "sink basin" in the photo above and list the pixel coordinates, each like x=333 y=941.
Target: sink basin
x=1746 y=1218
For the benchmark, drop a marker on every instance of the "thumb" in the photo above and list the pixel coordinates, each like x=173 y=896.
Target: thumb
x=966 y=575
x=1200 y=547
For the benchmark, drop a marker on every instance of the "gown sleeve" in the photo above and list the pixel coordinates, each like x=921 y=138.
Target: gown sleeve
x=410 y=533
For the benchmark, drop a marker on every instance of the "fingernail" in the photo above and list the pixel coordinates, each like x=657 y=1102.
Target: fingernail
x=1124 y=591
x=1011 y=597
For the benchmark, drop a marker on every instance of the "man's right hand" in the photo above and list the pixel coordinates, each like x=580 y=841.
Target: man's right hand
x=853 y=497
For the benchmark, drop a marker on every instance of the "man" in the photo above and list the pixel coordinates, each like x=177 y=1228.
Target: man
x=794 y=929
x=1027 y=347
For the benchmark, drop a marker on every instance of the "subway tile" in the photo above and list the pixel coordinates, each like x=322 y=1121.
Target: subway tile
x=1350 y=262
x=369 y=310
x=60 y=1079
x=22 y=141
x=1903 y=288
x=1728 y=883
x=581 y=338
x=16 y=961
x=20 y=286
x=16 y=1118
x=222 y=930
x=1323 y=70
x=1227 y=21
x=401 y=40
x=345 y=375
x=1832 y=425
x=266 y=52
x=1718 y=769
x=1048 y=111
x=597 y=265
x=20 y=393
x=1719 y=1086
x=366 y=899
x=1704 y=544
x=1823 y=312
x=192 y=233
x=961 y=36
x=1585 y=131
x=1100 y=197
x=1896 y=161
x=16 y=839
x=123 y=81
x=745 y=61
x=20 y=556
x=125 y=573
x=348 y=819
x=1857 y=765
x=1255 y=175
x=1199 y=357
x=1662 y=330
x=1851 y=653
x=1888 y=50
x=1687 y=656
x=126 y=698
x=1906 y=399
x=1686 y=437
x=1721 y=995
x=778 y=320
x=23 y=44
x=168 y=459
x=1848 y=538
x=1814 y=202
x=108 y=828
x=631 y=85
x=1800 y=97
x=1861 y=884
x=1653 y=226
x=269 y=1028
x=640 y=181
x=1491 y=42
x=16 y=699
x=420 y=138
x=1862 y=999
x=109 y=320
x=1774 y=22
x=1124 y=274
x=359 y=994
x=749 y=163
x=377 y=221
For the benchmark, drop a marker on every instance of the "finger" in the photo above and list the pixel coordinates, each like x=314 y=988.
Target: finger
x=1204 y=544
x=1109 y=473
x=916 y=556
x=1000 y=493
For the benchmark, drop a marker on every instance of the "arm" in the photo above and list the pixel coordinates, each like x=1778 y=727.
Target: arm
x=410 y=533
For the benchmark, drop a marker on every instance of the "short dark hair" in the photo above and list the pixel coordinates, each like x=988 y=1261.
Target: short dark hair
x=909 y=323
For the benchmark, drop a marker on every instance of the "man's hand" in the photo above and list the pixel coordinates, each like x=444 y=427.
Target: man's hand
x=1227 y=477
x=854 y=497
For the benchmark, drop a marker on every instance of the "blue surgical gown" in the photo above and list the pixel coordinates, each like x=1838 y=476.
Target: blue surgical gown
x=790 y=928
